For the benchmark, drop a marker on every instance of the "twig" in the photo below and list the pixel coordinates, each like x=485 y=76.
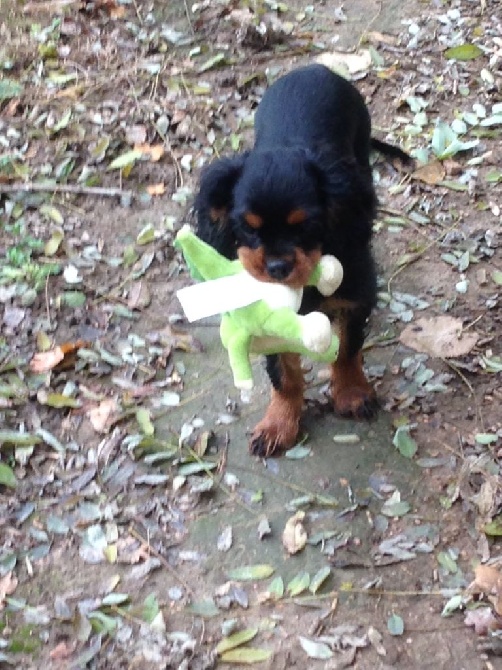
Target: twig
x=419 y=255
x=219 y=484
x=165 y=563
x=47 y=306
x=368 y=26
x=31 y=187
x=459 y=372
x=189 y=18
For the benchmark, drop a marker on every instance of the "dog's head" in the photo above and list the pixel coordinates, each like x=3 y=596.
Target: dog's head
x=276 y=209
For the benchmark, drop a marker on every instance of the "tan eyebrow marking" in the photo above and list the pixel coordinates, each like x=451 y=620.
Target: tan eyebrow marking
x=296 y=216
x=253 y=220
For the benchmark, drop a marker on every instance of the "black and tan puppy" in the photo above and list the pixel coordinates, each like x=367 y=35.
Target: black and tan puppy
x=305 y=189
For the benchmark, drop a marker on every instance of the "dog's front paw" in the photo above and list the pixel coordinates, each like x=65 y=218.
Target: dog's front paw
x=270 y=438
x=358 y=402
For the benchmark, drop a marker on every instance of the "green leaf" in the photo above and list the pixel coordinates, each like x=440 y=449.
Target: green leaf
x=276 y=588
x=18 y=439
x=314 y=649
x=486 y=438
x=497 y=277
x=9 y=88
x=246 y=656
x=319 y=578
x=73 y=299
x=7 y=476
x=395 y=508
x=53 y=214
x=299 y=583
x=204 y=608
x=445 y=142
x=146 y=235
x=114 y=599
x=492 y=363
x=236 y=640
x=215 y=61
x=102 y=623
x=494 y=527
x=194 y=468
x=404 y=443
x=298 y=452
x=395 y=625
x=125 y=160
x=453 y=604
x=464 y=52
x=58 y=400
x=144 y=421
x=52 y=246
x=150 y=608
x=249 y=573
x=446 y=561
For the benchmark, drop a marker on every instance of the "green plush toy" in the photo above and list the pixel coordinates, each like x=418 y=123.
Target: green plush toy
x=257 y=317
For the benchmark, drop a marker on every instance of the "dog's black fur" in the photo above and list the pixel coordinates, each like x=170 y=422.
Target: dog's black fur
x=305 y=189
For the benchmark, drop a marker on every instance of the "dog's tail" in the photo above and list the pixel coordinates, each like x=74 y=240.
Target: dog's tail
x=391 y=151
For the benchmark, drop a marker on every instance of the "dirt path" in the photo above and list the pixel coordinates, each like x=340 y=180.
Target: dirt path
x=127 y=497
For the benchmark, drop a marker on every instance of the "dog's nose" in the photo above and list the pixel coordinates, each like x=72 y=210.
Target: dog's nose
x=279 y=268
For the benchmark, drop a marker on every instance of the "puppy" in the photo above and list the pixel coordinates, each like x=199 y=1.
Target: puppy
x=304 y=190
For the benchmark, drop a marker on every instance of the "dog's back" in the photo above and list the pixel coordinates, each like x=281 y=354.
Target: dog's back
x=316 y=108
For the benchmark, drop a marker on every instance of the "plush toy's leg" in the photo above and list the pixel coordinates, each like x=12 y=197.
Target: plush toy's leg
x=352 y=394
x=278 y=430
x=238 y=343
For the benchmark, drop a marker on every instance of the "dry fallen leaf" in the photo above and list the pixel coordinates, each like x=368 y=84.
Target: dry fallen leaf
x=8 y=584
x=44 y=361
x=488 y=580
x=431 y=173
x=440 y=337
x=139 y=295
x=100 y=416
x=63 y=650
x=482 y=619
x=156 y=189
x=352 y=62
x=294 y=536
x=155 y=151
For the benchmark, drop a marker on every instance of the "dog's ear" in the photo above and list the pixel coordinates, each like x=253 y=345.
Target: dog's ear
x=347 y=190
x=216 y=189
x=214 y=202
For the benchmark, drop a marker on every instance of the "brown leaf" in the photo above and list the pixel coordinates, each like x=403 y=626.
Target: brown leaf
x=441 y=337
x=8 y=584
x=155 y=151
x=100 y=416
x=172 y=337
x=63 y=650
x=359 y=61
x=156 y=189
x=482 y=619
x=139 y=296
x=294 y=536
x=44 y=361
x=431 y=173
x=488 y=580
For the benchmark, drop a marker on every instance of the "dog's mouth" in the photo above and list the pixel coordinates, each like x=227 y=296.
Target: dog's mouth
x=293 y=269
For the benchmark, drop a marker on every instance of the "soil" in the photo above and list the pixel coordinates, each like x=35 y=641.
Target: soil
x=178 y=529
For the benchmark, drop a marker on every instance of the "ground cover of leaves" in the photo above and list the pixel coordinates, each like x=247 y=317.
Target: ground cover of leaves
x=108 y=111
